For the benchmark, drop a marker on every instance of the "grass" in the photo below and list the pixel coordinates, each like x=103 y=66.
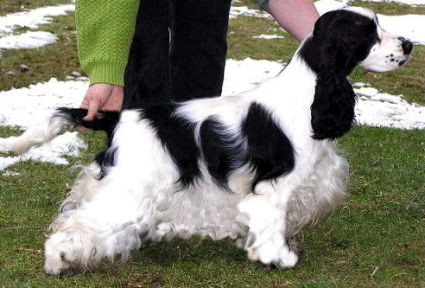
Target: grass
x=57 y=60
x=380 y=228
x=13 y=6
x=375 y=240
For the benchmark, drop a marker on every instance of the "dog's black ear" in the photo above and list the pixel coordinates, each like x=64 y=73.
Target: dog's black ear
x=332 y=111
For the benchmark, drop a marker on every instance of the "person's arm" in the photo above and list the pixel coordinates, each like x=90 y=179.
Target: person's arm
x=297 y=17
x=104 y=33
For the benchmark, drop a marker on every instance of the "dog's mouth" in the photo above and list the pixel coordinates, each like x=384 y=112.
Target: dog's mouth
x=394 y=64
x=404 y=61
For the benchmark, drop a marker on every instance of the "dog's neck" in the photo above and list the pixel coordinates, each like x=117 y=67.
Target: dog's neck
x=295 y=83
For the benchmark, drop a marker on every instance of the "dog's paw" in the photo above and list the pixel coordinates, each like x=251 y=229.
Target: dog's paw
x=57 y=264
x=63 y=254
x=273 y=252
x=287 y=258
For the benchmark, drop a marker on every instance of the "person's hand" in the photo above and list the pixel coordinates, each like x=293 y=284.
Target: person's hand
x=102 y=96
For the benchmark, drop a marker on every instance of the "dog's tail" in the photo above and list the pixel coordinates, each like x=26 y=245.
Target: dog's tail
x=62 y=118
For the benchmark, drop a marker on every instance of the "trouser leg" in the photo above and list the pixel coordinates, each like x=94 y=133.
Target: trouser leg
x=147 y=75
x=193 y=67
x=198 y=47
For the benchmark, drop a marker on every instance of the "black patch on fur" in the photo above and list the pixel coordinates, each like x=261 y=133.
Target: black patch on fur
x=270 y=152
x=177 y=136
x=341 y=39
x=220 y=151
x=106 y=159
x=104 y=121
x=332 y=112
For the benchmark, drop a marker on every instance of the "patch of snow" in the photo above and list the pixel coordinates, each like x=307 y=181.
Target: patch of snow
x=10 y=173
x=236 y=11
x=268 y=37
x=378 y=109
x=30 y=106
x=27 y=40
x=245 y=75
x=406 y=2
x=33 y=18
x=6 y=162
x=27 y=106
x=411 y=27
x=67 y=144
x=324 y=6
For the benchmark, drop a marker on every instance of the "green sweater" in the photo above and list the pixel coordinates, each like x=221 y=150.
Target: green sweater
x=104 y=33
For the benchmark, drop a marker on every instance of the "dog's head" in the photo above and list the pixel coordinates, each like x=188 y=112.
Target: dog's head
x=341 y=40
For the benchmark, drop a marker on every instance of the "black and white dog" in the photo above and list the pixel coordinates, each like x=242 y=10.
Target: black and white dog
x=256 y=167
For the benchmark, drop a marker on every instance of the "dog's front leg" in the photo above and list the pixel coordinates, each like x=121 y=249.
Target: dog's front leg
x=264 y=214
x=109 y=223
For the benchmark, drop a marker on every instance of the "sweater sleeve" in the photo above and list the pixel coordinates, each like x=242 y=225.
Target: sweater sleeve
x=104 y=33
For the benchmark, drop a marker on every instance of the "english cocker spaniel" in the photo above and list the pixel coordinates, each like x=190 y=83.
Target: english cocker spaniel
x=256 y=167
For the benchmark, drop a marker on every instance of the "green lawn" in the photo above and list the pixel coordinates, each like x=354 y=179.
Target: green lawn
x=375 y=240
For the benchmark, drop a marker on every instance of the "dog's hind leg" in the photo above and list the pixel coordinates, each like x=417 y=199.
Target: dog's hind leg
x=111 y=221
x=113 y=215
x=264 y=215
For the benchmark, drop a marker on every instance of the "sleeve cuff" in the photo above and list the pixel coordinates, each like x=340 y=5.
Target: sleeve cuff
x=111 y=73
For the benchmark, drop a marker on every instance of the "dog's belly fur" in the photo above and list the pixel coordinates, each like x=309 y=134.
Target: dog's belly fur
x=208 y=210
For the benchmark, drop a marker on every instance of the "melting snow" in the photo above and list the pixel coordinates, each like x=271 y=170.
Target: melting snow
x=268 y=37
x=236 y=11
x=406 y=2
x=32 y=18
x=27 y=40
x=384 y=110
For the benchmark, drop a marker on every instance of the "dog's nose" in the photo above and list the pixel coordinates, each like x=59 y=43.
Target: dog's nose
x=406 y=45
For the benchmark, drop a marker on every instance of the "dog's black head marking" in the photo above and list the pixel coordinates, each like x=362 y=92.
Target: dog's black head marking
x=341 y=40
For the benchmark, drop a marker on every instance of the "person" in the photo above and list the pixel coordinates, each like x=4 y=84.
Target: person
x=127 y=42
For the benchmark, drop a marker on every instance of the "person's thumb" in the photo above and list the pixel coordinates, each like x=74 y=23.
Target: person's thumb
x=94 y=105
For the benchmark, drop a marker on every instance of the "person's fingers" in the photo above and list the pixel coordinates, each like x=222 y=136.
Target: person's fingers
x=81 y=129
x=98 y=98
x=85 y=103
x=94 y=106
